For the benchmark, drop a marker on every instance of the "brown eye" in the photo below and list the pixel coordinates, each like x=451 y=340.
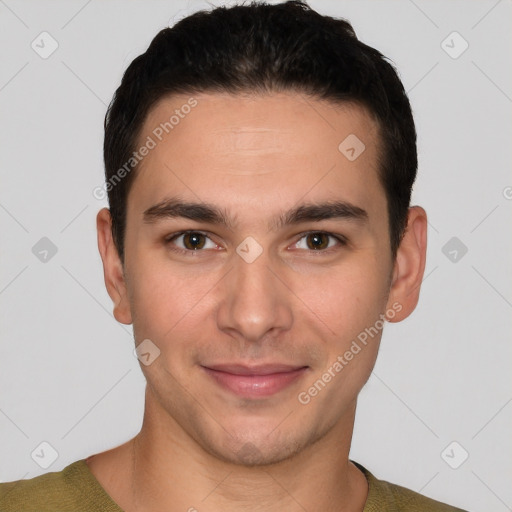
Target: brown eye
x=317 y=241
x=320 y=241
x=191 y=243
x=194 y=241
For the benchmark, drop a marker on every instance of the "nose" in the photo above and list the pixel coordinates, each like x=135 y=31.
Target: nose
x=256 y=302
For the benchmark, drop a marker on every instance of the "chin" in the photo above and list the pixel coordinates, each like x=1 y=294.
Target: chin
x=247 y=448
x=253 y=455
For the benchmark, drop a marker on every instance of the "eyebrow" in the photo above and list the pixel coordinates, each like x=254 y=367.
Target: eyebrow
x=204 y=212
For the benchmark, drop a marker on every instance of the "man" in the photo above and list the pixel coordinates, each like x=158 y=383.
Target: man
x=259 y=165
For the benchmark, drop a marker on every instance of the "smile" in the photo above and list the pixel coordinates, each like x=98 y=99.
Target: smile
x=254 y=382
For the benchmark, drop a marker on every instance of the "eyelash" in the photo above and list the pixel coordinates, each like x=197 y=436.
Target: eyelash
x=189 y=252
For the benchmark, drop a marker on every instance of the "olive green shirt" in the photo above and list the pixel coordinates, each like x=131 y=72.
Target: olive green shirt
x=75 y=489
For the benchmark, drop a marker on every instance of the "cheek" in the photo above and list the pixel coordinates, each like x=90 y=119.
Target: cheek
x=165 y=299
x=344 y=301
x=350 y=304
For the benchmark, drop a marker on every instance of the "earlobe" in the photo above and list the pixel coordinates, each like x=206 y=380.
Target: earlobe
x=112 y=268
x=409 y=265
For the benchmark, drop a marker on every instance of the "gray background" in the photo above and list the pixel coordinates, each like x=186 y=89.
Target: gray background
x=68 y=376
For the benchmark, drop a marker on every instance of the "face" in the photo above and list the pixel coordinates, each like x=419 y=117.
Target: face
x=258 y=262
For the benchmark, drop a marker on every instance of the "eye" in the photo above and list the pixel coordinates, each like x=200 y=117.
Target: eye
x=189 y=241
x=319 y=241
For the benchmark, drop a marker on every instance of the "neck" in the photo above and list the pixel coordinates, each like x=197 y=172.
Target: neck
x=171 y=471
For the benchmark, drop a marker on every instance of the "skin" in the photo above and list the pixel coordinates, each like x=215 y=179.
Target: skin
x=254 y=156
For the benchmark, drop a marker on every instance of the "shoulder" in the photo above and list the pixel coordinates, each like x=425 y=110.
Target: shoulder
x=73 y=489
x=384 y=496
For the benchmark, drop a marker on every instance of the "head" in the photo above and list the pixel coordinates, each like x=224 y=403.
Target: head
x=268 y=48
x=285 y=148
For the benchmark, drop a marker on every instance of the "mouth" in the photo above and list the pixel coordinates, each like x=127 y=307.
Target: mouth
x=254 y=381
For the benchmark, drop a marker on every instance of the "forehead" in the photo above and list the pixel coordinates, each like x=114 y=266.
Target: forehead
x=239 y=148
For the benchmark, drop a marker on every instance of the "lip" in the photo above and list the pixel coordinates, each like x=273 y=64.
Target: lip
x=254 y=381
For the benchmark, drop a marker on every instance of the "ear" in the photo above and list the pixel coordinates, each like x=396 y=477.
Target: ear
x=409 y=265
x=112 y=268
